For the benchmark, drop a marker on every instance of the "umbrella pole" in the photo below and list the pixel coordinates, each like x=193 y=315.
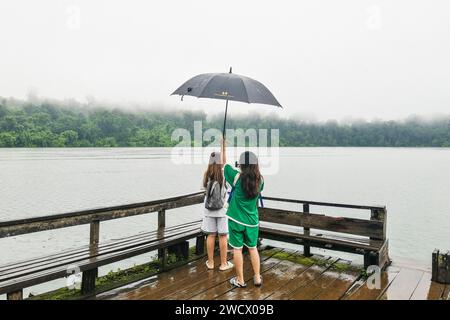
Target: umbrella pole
x=225 y=120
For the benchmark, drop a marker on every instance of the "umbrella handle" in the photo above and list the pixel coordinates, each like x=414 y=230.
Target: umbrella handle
x=225 y=120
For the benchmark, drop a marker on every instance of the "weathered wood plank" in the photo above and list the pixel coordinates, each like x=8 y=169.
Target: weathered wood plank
x=402 y=287
x=167 y=281
x=361 y=291
x=67 y=259
x=436 y=291
x=271 y=269
x=16 y=265
x=323 y=241
x=302 y=280
x=337 y=289
x=367 y=228
x=59 y=272
x=446 y=293
x=182 y=285
x=425 y=290
x=164 y=280
x=23 y=226
x=324 y=204
x=211 y=279
x=273 y=280
x=244 y=293
x=223 y=286
x=318 y=285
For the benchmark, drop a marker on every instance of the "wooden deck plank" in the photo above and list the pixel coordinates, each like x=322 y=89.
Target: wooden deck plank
x=183 y=286
x=208 y=281
x=288 y=279
x=339 y=287
x=217 y=282
x=427 y=290
x=360 y=291
x=171 y=279
x=273 y=279
x=179 y=281
x=303 y=279
x=403 y=285
x=318 y=285
x=224 y=287
x=446 y=294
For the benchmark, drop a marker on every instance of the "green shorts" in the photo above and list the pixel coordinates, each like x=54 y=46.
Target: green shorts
x=239 y=235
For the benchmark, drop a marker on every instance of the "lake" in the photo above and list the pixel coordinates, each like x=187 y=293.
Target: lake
x=414 y=184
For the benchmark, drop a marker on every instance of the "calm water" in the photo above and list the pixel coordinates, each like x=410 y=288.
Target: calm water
x=414 y=184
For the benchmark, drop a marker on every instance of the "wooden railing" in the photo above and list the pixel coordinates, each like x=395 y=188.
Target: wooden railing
x=375 y=251
x=373 y=228
x=95 y=216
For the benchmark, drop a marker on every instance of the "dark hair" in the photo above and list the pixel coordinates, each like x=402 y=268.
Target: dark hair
x=214 y=170
x=250 y=176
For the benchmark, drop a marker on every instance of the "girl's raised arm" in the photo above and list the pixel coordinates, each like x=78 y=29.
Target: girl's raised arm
x=223 y=152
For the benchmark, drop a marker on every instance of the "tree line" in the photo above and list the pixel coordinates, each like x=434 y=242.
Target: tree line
x=57 y=124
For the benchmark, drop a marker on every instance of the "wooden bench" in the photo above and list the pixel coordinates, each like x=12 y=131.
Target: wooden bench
x=354 y=235
x=86 y=259
x=360 y=236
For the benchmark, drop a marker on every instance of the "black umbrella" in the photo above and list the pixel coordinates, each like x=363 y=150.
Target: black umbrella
x=227 y=86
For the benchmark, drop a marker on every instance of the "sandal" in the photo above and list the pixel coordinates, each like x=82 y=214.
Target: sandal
x=234 y=282
x=208 y=267
x=257 y=284
x=227 y=267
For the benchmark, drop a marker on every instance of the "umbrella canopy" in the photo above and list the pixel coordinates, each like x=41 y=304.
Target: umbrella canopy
x=229 y=87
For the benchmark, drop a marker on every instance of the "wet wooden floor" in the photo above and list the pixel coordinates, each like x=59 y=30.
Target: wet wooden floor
x=326 y=278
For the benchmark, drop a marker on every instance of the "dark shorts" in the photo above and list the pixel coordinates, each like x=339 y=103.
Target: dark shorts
x=240 y=235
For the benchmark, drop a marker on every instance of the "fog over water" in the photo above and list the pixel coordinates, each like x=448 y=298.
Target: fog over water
x=326 y=59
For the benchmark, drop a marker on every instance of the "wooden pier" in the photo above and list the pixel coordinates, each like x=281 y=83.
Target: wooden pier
x=287 y=274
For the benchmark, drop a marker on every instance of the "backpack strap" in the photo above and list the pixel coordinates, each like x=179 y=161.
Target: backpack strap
x=233 y=186
x=261 y=203
x=211 y=187
x=236 y=178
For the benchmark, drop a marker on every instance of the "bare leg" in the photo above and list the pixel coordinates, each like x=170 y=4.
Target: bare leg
x=223 y=246
x=210 y=243
x=254 y=258
x=239 y=264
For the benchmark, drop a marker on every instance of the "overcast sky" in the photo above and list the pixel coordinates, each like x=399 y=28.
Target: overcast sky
x=324 y=59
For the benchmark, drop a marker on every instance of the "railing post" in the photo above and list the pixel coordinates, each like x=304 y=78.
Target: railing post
x=200 y=245
x=16 y=295
x=161 y=227
x=379 y=215
x=89 y=276
x=161 y=219
x=306 y=246
x=380 y=258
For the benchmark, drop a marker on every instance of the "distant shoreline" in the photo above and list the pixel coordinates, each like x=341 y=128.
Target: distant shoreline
x=55 y=125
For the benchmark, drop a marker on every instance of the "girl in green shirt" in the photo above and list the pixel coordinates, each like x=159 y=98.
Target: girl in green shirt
x=242 y=212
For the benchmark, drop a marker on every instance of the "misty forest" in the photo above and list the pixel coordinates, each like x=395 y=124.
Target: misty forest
x=58 y=124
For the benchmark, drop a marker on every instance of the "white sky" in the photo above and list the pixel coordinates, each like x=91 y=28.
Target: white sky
x=321 y=59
